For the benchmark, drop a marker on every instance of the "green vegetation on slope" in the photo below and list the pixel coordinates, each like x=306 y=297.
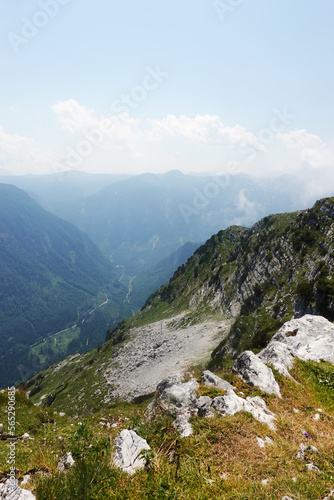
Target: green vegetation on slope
x=52 y=277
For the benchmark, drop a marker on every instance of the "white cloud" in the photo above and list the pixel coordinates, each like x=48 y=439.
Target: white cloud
x=10 y=143
x=74 y=117
x=313 y=152
x=203 y=129
x=300 y=139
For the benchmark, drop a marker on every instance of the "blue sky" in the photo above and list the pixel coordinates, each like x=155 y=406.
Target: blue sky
x=111 y=86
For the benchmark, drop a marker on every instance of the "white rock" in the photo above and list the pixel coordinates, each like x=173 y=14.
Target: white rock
x=212 y=380
x=8 y=492
x=25 y=479
x=66 y=462
x=316 y=416
x=311 y=466
x=265 y=481
x=128 y=451
x=181 y=399
x=308 y=338
x=302 y=450
x=262 y=442
x=287 y=498
x=62 y=414
x=331 y=495
x=231 y=404
x=182 y=424
x=256 y=373
x=25 y=436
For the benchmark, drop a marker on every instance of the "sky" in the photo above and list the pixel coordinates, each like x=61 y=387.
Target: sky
x=201 y=86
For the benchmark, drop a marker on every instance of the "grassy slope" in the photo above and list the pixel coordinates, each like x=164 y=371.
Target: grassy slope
x=220 y=460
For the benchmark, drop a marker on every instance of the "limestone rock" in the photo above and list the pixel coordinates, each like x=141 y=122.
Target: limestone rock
x=203 y=406
x=212 y=380
x=303 y=449
x=182 y=424
x=181 y=399
x=308 y=338
x=66 y=462
x=262 y=442
x=128 y=451
x=8 y=492
x=231 y=404
x=311 y=467
x=181 y=395
x=256 y=373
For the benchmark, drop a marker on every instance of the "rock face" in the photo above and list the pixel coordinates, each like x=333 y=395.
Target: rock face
x=307 y=338
x=8 y=493
x=256 y=373
x=128 y=451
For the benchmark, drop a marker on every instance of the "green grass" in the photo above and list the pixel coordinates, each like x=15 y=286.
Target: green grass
x=220 y=460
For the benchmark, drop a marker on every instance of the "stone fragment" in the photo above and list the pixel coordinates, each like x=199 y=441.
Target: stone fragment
x=128 y=451
x=256 y=373
x=311 y=467
x=11 y=491
x=66 y=462
x=303 y=448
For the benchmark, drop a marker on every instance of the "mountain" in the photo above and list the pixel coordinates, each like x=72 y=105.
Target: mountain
x=61 y=193
x=232 y=295
x=139 y=221
x=154 y=277
x=52 y=278
x=142 y=220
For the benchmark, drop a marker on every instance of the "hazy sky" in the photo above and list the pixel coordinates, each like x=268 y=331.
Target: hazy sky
x=114 y=86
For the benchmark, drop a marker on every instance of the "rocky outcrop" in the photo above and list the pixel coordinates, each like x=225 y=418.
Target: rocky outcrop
x=231 y=404
x=129 y=447
x=307 y=338
x=180 y=398
x=256 y=373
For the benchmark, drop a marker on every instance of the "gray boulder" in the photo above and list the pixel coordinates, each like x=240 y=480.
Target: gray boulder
x=8 y=491
x=128 y=451
x=256 y=373
x=212 y=380
x=307 y=338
